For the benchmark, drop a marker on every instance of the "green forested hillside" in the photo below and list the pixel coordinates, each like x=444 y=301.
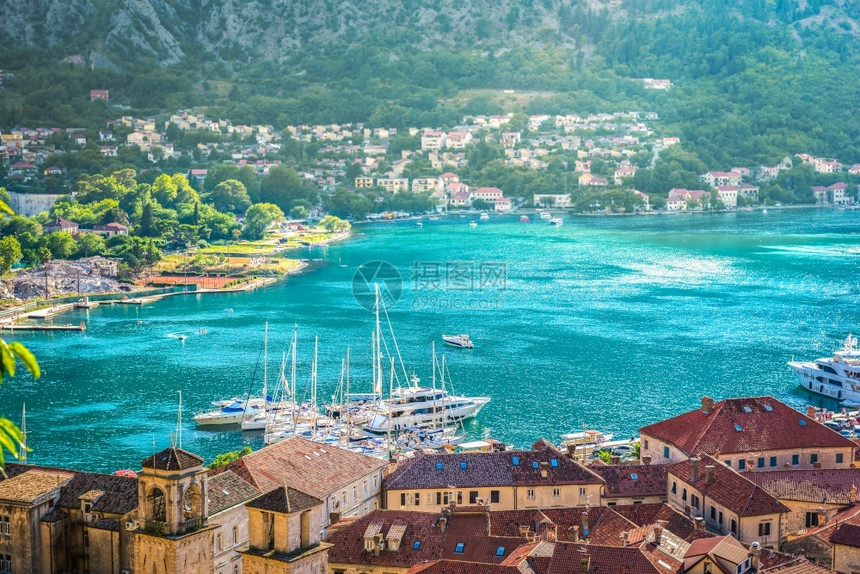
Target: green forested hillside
x=754 y=80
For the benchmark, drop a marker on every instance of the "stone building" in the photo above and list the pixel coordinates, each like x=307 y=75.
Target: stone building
x=540 y=478
x=284 y=534
x=752 y=433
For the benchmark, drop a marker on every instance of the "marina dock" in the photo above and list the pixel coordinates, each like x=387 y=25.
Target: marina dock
x=81 y=327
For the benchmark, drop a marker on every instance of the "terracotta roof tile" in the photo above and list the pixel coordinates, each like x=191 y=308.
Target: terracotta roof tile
x=645 y=514
x=310 y=467
x=604 y=524
x=832 y=486
x=781 y=563
x=624 y=480
x=466 y=470
x=729 y=488
x=765 y=423
x=592 y=558
x=286 y=500
x=109 y=493
x=172 y=458
x=33 y=484
x=460 y=567
x=227 y=490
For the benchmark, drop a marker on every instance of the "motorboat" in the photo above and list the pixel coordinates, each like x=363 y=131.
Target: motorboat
x=423 y=407
x=545 y=215
x=473 y=224
x=836 y=377
x=462 y=341
x=556 y=221
x=484 y=217
x=525 y=219
x=231 y=414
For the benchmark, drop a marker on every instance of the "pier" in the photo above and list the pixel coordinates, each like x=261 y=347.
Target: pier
x=12 y=327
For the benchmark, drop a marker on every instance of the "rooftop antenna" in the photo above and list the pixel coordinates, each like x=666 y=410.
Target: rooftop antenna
x=23 y=455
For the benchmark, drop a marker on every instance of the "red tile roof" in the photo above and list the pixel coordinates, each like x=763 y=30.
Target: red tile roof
x=781 y=563
x=471 y=529
x=172 y=458
x=765 y=423
x=624 y=480
x=569 y=557
x=478 y=469
x=729 y=488
x=604 y=524
x=832 y=486
x=645 y=514
x=305 y=465
x=285 y=500
x=459 y=567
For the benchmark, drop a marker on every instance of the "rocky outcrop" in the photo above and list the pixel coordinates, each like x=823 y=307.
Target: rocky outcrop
x=90 y=275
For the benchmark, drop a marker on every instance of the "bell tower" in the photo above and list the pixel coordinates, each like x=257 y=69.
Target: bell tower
x=173 y=533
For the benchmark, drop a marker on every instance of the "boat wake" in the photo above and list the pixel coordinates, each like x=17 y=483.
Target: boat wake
x=814 y=251
x=180 y=336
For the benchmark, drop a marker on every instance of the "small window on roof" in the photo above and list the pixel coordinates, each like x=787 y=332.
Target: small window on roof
x=634 y=476
x=768 y=408
x=747 y=410
x=416 y=545
x=459 y=548
x=802 y=422
x=515 y=460
x=738 y=428
x=553 y=462
x=438 y=466
x=463 y=464
x=535 y=464
x=500 y=551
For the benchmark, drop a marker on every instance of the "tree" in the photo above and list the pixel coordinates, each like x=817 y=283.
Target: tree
x=334 y=224
x=226 y=458
x=231 y=196
x=61 y=245
x=10 y=253
x=258 y=217
x=90 y=244
x=299 y=212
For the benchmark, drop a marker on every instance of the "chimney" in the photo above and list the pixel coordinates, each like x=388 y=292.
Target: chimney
x=709 y=473
x=707 y=405
x=852 y=495
x=571 y=450
x=700 y=523
x=585 y=523
x=544 y=469
x=614 y=459
x=625 y=536
x=822 y=517
x=755 y=550
x=585 y=565
x=646 y=459
x=573 y=533
x=442 y=523
x=377 y=544
x=810 y=411
x=658 y=533
x=694 y=469
x=552 y=533
x=392 y=465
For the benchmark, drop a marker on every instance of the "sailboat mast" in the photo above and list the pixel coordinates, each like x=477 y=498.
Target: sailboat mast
x=378 y=350
x=433 y=379
x=390 y=392
x=23 y=455
x=265 y=362
x=346 y=402
x=314 y=383
x=293 y=377
x=179 y=421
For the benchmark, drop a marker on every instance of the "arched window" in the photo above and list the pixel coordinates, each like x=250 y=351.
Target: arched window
x=191 y=506
x=156 y=505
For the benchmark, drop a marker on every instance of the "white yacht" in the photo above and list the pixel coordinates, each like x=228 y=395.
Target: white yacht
x=231 y=414
x=462 y=341
x=836 y=377
x=423 y=407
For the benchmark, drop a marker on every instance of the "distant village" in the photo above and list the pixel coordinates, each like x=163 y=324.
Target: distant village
x=744 y=485
x=360 y=158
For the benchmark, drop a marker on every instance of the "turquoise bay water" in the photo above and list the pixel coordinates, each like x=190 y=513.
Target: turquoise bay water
x=609 y=322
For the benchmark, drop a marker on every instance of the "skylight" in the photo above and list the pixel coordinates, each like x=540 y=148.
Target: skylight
x=416 y=545
x=463 y=465
x=438 y=466
x=738 y=428
x=802 y=422
x=553 y=462
x=515 y=460
x=768 y=408
x=500 y=551
x=459 y=548
x=747 y=410
x=535 y=464
x=634 y=476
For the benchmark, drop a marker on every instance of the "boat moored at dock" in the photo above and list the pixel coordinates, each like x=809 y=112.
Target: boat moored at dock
x=836 y=377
